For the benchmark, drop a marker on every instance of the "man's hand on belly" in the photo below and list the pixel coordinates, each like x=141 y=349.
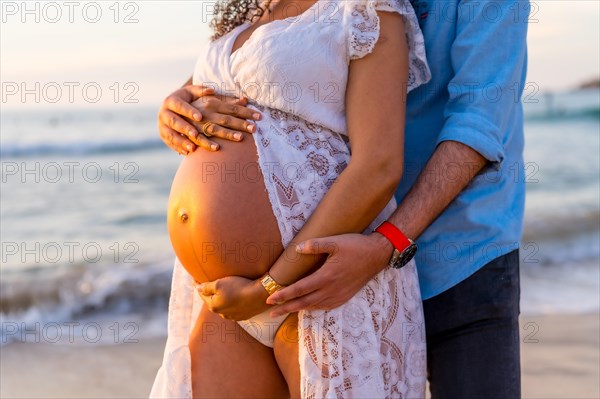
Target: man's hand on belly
x=192 y=114
x=234 y=298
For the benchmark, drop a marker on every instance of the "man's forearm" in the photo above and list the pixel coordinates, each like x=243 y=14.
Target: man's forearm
x=188 y=82
x=449 y=170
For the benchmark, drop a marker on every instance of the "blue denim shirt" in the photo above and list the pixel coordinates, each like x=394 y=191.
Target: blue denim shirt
x=477 y=55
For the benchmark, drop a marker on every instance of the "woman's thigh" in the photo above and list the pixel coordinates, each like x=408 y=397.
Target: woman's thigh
x=228 y=363
x=286 y=353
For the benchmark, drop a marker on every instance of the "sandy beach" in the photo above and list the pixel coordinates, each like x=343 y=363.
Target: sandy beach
x=560 y=359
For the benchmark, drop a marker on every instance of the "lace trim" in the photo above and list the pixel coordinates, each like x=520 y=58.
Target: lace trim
x=364 y=33
x=372 y=346
x=314 y=157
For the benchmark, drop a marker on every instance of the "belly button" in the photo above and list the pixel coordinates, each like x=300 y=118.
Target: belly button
x=183 y=216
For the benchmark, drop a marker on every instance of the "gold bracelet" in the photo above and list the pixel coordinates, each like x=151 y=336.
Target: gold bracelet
x=270 y=285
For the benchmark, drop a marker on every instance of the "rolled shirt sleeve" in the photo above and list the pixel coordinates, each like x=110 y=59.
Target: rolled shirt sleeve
x=489 y=57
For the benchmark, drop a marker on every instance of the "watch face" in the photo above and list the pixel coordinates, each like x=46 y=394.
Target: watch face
x=402 y=258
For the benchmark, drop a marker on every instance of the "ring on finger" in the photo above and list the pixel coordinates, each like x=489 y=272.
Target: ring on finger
x=205 y=129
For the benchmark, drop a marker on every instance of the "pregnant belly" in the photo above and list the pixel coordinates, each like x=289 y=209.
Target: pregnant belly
x=219 y=216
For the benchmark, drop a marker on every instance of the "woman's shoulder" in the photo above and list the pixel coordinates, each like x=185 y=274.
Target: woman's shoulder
x=362 y=28
x=400 y=6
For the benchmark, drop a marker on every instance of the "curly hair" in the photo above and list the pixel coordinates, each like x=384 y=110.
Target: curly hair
x=231 y=13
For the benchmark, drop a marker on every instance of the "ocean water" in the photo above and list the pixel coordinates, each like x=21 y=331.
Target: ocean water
x=85 y=251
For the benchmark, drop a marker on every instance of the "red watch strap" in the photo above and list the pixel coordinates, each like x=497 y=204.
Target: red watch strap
x=392 y=233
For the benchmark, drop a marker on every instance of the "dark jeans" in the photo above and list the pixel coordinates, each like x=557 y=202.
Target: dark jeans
x=473 y=335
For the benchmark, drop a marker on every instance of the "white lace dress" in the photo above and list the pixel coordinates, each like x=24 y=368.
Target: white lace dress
x=295 y=71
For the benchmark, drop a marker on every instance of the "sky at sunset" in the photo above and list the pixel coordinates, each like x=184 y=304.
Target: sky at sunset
x=153 y=44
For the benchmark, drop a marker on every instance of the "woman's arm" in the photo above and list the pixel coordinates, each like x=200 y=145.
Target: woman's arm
x=375 y=109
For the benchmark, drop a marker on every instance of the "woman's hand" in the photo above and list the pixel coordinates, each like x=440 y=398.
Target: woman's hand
x=353 y=260
x=234 y=298
x=184 y=113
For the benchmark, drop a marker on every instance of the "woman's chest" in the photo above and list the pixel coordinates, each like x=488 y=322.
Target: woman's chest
x=299 y=60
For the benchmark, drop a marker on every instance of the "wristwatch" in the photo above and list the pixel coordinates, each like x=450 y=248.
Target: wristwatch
x=269 y=284
x=404 y=248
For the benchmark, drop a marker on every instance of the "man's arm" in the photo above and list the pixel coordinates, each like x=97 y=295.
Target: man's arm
x=435 y=189
x=485 y=54
x=362 y=256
